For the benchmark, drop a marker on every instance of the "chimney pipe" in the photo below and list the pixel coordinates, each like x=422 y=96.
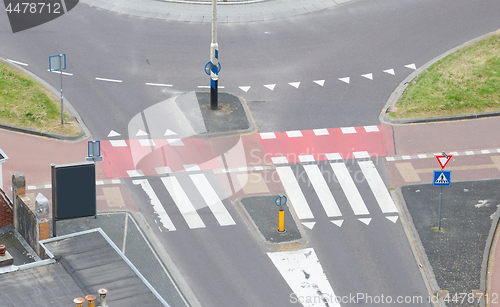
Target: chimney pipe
x=2 y=250
x=90 y=298
x=79 y=301
x=103 y=293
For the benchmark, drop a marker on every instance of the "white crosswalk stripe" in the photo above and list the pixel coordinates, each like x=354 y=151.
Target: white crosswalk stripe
x=378 y=187
x=155 y=202
x=322 y=190
x=294 y=192
x=213 y=201
x=349 y=188
x=182 y=202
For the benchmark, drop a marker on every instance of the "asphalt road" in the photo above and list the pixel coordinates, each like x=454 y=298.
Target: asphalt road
x=225 y=266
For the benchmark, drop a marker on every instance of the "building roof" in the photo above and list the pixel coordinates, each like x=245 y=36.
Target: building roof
x=84 y=263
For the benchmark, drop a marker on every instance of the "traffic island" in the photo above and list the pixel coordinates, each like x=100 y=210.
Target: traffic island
x=232 y=116
x=458 y=255
x=262 y=215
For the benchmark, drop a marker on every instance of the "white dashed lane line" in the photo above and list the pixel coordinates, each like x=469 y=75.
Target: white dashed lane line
x=109 y=80
x=159 y=84
x=16 y=62
x=58 y=72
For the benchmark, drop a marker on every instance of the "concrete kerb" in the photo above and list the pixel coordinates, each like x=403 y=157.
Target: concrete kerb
x=254 y=229
x=398 y=92
x=84 y=132
x=489 y=253
x=417 y=246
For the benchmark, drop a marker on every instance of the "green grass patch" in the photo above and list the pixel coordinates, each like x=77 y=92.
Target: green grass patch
x=465 y=82
x=25 y=102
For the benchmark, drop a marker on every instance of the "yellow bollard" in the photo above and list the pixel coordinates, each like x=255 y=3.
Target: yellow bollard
x=281 y=227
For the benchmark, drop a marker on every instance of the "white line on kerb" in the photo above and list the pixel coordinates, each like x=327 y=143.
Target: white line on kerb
x=208 y=86
x=159 y=84
x=109 y=80
x=16 y=62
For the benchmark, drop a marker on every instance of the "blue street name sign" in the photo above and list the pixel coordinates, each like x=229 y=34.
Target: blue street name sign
x=442 y=178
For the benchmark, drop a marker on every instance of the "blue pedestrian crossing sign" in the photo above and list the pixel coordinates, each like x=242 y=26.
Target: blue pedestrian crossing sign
x=442 y=178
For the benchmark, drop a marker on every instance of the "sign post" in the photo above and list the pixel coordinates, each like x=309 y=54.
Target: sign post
x=280 y=202
x=58 y=63
x=442 y=178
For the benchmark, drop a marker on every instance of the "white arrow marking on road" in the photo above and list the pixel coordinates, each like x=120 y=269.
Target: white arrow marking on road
x=320 y=82
x=270 y=86
x=169 y=132
x=113 y=133
x=304 y=274
x=412 y=66
x=141 y=133
x=346 y=79
x=390 y=71
x=392 y=218
x=309 y=225
x=295 y=84
x=245 y=88
x=365 y=221
x=368 y=76
x=16 y=62
x=338 y=222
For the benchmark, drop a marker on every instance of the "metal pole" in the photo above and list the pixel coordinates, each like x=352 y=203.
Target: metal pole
x=62 y=107
x=214 y=58
x=440 y=204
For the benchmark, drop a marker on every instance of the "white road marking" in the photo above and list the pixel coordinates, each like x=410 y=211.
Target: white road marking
x=16 y=62
x=212 y=199
x=320 y=82
x=390 y=71
x=267 y=135
x=333 y=156
x=159 y=84
x=304 y=274
x=412 y=66
x=163 y=170
x=191 y=167
x=58 y=72
x=346 y=130
x=118 y=143
x=295 y=84
x=135 y=173
x=113 y=133
x=351 y=192
x=306 y=158
x=365 y=221
x=175 y=142
x=294 y=133
x=245 y=88
x=361 y=154
x=321 y=132
x=309 y=225
x=392 y=218
x=371 y=128
x=155 y=202
x=322 y=190
x=182 y=202
x=338 y=222
x=294 y=192
x=270 y=86
x=346 y=79
x=147 y=142
x=109 y=80
x=169 y=132
x=141 y=133
x=377 y=186
x=279 y=160
x=368 y=76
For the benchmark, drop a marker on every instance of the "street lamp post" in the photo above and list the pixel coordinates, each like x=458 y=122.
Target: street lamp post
x=214 y=58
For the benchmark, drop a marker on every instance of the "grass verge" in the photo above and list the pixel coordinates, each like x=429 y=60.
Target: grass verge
x=465 y=82
x=26 y=103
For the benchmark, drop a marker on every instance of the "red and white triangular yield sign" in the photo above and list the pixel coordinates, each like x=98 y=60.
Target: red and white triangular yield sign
x=443 y=160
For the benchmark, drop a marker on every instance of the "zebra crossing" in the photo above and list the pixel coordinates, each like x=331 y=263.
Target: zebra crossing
x=312 y=196
x=300 y=190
